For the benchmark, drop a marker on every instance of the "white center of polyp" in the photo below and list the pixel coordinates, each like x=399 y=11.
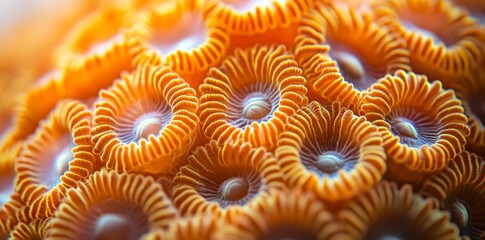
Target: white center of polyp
x=250 y=5
x=60 y=162
x=256 y=107
x=234 y=189
x=103 y=46
x=421 y=31
x=459 y=214
x=63 y=159
x=187 y=33
x=404 y=128
x=329 y=163
x=112 y=226
x=6 y=187
x=350 y=65
x=147 y=126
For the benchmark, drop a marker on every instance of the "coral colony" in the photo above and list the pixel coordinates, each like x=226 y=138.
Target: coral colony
x=239 y=119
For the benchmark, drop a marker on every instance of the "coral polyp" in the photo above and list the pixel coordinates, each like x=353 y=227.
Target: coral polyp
x=460 y=189
x=423 y=125
x=187 y=43
x=389 y=212
x=251 y=96
x=332 y=35
x=146 y=119
x=112 y=205
x=222 y=179
x=443 y=53
x=291 y=214
x=55 y=159
x=331 y=151
x=242 y=119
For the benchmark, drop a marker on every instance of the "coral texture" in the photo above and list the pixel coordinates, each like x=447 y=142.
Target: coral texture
x=242 y=119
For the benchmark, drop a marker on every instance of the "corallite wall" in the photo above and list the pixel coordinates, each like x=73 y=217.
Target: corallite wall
x=239 y=119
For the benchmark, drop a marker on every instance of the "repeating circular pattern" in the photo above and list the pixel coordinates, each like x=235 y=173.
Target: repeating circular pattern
x=243 y=119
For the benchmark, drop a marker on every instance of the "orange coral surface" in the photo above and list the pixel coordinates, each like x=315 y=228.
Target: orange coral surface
x=243 y=119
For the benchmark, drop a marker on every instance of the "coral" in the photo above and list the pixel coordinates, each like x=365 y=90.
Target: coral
x=251 y=22
x=177 y=35
x=200 y=227
x=330 y=151
x=423 y=125
x=145 y=121
x=460 y=189
x=222 y=179
x=55 y=158
x=242 y=119
x=338 y=66
x=290 y=214
x=112 y=205
x=387 y=211
x=251 y=96
x=444 y=53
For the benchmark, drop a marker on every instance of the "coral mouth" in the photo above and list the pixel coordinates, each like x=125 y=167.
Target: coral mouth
x=185 y=34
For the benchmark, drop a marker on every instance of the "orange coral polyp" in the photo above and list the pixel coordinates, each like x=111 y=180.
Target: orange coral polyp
x=189 y=119
x=387 y=212
x=470 y=91
x=56 y=158
x=443 y=53
x=186 y=34
x=6 y=225
x=251 y=96
x=201 y=227
x=30 y=111
x=35 y=230
x=284 y=214
x=331 y=36
x=460 y=189
x=112 y=205
x=146 y=122
x=223 y=179
x=184 y=42
x=422 y=124
x=331 y=152
x=95 y=53
x=99 y=34
x=261 y=22
x=11 y=90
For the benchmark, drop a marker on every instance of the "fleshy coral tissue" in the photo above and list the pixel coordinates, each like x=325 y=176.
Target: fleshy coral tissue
x=244 y=119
